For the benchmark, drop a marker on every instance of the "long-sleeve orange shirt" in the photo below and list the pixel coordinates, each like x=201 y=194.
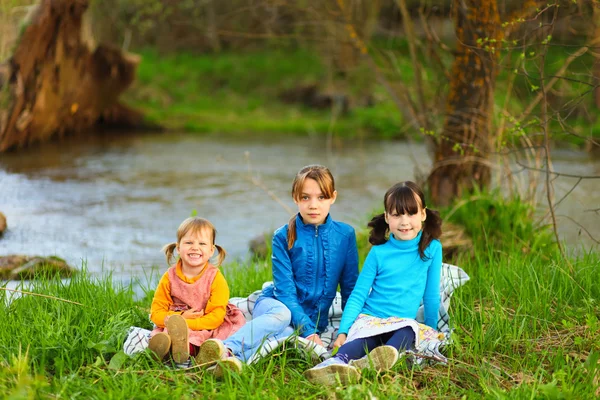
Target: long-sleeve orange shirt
x=214 y=313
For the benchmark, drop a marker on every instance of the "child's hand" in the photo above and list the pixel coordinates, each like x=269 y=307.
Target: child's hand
x=192 y=313
x=315 y=338
x=341 y=339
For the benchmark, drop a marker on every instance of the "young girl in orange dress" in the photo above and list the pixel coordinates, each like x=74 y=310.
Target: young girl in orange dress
x=191 y=302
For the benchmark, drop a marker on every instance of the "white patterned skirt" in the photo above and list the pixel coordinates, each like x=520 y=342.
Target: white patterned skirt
x=366 y=326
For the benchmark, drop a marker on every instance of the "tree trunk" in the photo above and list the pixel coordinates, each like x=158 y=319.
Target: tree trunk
x=595 y=40
x=56 y=82
x=461 y=153
x=349 y=24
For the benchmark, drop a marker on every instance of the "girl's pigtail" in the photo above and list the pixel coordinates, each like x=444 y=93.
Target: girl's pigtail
x=221 y=256
x=291 y=233
x=432 y=229
x=379 y=229
x=433 y=223
x=168 y=250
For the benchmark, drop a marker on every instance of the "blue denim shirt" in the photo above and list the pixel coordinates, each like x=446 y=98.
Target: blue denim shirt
x=306 y=277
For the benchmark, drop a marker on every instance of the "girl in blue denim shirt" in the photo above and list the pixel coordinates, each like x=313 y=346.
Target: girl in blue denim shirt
x=312 y=255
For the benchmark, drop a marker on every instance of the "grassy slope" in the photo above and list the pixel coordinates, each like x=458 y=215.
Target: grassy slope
x=526 y=327
x=239 y=93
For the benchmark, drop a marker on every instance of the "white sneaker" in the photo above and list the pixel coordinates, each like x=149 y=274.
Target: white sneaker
x=380 y=358
x=332 y=372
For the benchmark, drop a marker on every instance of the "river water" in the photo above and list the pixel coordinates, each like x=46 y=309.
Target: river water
x=114 y=201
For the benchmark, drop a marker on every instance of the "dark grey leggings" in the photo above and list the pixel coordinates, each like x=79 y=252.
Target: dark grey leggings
x=402 y=339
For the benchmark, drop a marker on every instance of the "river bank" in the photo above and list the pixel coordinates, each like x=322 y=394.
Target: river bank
x=264 y=91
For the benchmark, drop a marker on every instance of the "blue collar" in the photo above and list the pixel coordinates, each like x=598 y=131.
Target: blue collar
x=323 y=227
x=406 y=244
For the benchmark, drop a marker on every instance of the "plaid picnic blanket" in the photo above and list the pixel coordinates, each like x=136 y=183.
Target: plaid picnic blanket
x=429 y=348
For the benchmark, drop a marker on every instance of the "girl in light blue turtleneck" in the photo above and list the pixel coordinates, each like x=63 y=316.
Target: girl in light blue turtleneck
x=401 y=270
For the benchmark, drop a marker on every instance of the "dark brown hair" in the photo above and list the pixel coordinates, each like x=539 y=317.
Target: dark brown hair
x=326 y=183
x=194 y=224
x=406 y=198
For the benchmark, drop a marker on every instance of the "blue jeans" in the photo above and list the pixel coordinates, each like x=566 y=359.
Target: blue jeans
x=270 y=320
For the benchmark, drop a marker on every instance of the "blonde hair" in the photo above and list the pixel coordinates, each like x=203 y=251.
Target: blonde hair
x=194 y=224
x=326 y=183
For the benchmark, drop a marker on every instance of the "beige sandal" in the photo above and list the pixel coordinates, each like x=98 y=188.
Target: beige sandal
x=178 y=331
x=211 y=351
x=160 y=344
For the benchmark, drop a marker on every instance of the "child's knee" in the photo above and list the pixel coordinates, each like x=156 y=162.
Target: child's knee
x=284 y=316
x=280 y=314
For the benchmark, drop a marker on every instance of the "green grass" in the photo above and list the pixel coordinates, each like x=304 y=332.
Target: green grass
x=525 y=327
x=240 y=93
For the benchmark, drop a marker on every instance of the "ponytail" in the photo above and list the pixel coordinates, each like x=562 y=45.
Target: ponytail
x=379 y=230
x=291 y=233
x=222 y=254
x=168 y=250
x=432 y=229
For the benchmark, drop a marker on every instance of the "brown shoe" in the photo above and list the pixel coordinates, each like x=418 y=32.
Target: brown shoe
x=178 y=331
x=160 y=344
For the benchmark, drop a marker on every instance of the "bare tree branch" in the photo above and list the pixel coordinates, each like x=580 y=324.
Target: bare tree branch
x=553 y=81
x=581 y=226
x=259 y=183
x=410 y=35
x=546 y=130
x=568 y=193
x=557 y=174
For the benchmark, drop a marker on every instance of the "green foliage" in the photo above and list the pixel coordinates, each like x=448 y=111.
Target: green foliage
x=383 y=119
x=16 y=381
x=493 y=220
x=240 y=93
x=240 y=72
x=244 y=279
x=567 y=81
x=72 y=325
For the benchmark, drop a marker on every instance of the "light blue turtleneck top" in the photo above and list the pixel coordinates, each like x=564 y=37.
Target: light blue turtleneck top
x=393 y=281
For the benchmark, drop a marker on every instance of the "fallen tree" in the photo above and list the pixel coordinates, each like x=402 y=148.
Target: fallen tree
x=59 y=82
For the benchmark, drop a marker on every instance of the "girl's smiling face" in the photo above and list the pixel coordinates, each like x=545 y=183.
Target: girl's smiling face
x=195 y=248
x=407 y=225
